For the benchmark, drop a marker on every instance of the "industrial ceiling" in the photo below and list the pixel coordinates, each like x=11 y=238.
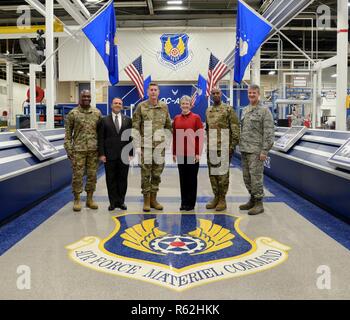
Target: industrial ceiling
x=151 y=13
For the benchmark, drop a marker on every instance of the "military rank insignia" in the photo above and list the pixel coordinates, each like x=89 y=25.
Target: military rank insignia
x=178 y=251
x=175 y=52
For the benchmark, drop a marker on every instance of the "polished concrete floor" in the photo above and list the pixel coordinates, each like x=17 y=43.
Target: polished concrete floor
x=314 y=265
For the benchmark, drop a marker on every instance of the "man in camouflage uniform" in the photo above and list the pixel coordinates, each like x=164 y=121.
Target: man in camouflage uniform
x=81 y=146
x=221 y=123
x=150 y=117
x=257 y=138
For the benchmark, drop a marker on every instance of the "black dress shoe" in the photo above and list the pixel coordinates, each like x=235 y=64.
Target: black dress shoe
x=123 y=207
x=182 y=208
x=189 y=208
x=111 y=208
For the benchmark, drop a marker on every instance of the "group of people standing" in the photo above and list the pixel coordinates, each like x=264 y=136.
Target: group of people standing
x=116 y=139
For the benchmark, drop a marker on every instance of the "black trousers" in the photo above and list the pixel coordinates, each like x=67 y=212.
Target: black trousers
x=117 y=181
x=188 y=172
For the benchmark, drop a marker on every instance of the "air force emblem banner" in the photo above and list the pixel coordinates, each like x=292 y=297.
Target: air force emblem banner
x=178 y=251
x=175 y=52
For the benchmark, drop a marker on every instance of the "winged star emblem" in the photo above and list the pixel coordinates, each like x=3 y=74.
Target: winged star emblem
x=174 y=52
x=208 y=237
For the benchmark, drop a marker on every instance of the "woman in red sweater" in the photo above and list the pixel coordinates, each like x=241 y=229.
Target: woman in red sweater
x=188 y=138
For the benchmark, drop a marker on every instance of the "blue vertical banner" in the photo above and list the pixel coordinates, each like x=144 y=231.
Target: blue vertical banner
x=101 y=32
x=251 y=31
x=146 y=83
x=201 y=100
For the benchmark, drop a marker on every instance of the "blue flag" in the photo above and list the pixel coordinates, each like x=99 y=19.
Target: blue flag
x=199 y=95
x=251 y=32
x=101 y=32
x=146 y=83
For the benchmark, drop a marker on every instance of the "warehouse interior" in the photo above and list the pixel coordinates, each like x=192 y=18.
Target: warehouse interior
x=302 y=70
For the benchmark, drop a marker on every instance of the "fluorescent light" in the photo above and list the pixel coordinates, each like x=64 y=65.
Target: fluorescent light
x=20 y=72
x=272 y=73
x=334 y=75
x=174 y=2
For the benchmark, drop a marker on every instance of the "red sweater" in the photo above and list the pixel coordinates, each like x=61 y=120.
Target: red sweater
x=187 y=142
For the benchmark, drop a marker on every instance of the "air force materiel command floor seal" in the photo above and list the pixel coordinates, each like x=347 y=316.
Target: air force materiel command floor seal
x=178 y=251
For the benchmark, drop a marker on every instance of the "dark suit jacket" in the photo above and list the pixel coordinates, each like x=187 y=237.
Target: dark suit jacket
x=110 y=143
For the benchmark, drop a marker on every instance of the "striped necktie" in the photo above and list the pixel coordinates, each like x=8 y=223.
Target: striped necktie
x=116 y=123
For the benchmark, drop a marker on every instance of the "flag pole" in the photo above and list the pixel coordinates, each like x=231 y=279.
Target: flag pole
x=77 y=31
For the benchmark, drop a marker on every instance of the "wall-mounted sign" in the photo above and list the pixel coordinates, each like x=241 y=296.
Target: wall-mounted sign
x=299 y=81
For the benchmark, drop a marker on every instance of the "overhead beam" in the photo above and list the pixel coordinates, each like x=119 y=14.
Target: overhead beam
x=126 y=4
x=73 y=11
x=82 y=8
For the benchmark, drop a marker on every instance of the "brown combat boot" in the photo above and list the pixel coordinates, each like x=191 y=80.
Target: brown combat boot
x=249 y=205
x=146 y=203
x=154 y=203
x=257 y=209
x=221 y=206
x=213 y=203
x=90 y=202
x=77 y=204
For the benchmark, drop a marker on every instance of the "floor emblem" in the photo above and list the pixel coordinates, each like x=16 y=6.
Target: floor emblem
x=178 y=251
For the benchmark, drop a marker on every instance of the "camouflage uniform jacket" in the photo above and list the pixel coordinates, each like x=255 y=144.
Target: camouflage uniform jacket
x=158 y=116
x=81 y=129
x=223 y=117
x=257 y=130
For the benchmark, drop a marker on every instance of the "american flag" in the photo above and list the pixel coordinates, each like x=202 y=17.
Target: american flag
x=194 y=98
x=216 y=71
x=134 y=72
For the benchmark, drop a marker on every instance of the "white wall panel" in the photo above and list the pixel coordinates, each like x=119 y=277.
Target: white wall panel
x=74 y=59
x=19 y=96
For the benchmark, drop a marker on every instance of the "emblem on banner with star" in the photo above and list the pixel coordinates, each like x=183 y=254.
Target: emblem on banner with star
x=175 y=52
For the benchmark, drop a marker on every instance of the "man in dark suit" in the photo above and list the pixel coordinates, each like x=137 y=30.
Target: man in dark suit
x=116 y=151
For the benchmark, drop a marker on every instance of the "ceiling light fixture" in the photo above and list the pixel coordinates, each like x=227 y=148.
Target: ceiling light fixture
x=174 y=2
x=272 y=72
x=20 y=72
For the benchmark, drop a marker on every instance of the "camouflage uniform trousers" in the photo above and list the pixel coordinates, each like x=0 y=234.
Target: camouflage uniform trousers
x=84 y=162
x=219 y=178
x=253 y=174
x=151 y=170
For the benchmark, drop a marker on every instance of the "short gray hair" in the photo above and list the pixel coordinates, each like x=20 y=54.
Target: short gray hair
x=185 y=98
x=254 y=87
